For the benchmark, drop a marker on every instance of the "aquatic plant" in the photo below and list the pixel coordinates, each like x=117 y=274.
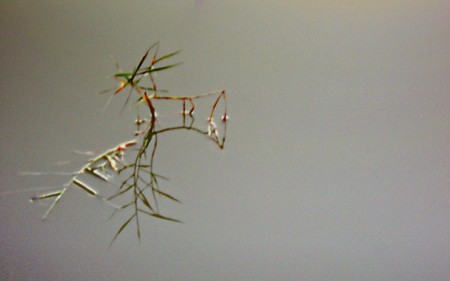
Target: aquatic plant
x=136 y=180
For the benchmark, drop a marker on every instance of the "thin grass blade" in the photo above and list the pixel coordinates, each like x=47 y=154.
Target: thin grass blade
x=140 y=64
x=46 y=195
x=167 y=195
x=105 y=91
x=121 y=192
x=126 y=75
x=97 y=174
x=84 y=186
x=159 y=216
x=61 y=193
x=167 y=56
x=152 y=90
x=145 y=201
x=156 y=69
x=160 y=176
x=121 y=228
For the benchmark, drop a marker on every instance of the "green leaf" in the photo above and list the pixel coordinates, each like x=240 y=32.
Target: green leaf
x=124 y=75
x=151 y=69
x=151 y=89
x=167 y=56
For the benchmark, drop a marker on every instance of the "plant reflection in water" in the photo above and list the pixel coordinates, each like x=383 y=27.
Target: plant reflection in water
x=138 y=180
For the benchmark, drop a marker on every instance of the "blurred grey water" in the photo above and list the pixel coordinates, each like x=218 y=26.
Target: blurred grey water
x=336 y=165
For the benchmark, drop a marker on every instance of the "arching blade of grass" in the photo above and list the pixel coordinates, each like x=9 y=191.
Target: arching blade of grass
x=166 y=56
x=131 y=75
x=156 y=69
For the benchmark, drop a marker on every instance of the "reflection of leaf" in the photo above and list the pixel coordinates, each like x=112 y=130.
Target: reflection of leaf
x=122 y=228
x=159 y=216
x=145 y=201
x=167 y=195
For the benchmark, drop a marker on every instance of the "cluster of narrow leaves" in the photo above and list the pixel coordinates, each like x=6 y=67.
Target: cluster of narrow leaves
x=130 y=165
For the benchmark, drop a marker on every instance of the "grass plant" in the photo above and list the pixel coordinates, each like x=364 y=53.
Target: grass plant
x=131 y=164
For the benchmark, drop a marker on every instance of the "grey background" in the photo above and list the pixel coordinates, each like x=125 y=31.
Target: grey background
x=336 y=165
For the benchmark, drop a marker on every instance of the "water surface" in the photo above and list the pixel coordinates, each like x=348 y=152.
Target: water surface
x=336 y=161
